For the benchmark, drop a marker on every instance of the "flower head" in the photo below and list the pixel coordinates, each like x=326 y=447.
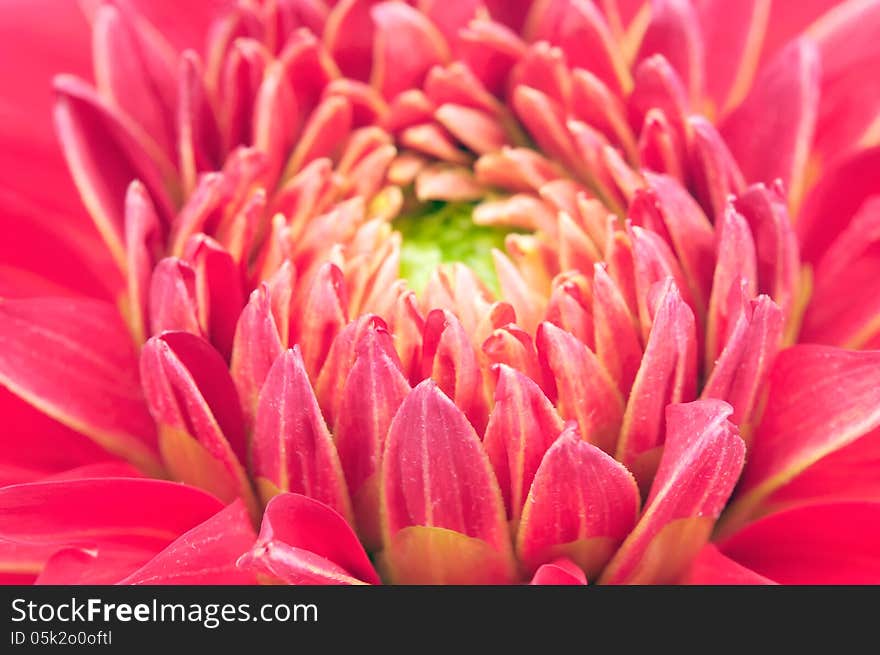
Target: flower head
x=460 y=292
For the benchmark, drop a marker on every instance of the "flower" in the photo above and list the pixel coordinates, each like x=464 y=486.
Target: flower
x=460 y=292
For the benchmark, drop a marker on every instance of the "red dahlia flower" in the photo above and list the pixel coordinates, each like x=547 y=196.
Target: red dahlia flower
x=440 y=292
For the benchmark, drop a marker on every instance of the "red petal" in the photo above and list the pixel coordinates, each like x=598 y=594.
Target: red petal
x=256 y=346
x=193 y=400
x=439 y=492
x=372 y=392
x=514 y=347
x=323 y=313
x=292 y=450
x=700 y=465
x=834 y=543
x=405 y=46
x=449 y=358
x=618 y=346
x=582 y=34
x=582 y=504
x=560 y=571
x=141 y=233
x=340 y=359
x=173 y=303
x=711 y=567
x=821 y=399
x=735 y=280
x=834 y=200
x=135 y=72
x=675 y=33
x=522 y=426
x=776 y=245
x=586 y=393
x=667 y=375
x=690 y=233
x=103 y=511
x=741 y=371
x=302 y=541
x=198 y=135
x=75 y=361
x=770 y=145
x=348 y=37
x=847 y=40
x=102 y=173
x=206 y=554
x=735 y=33
x=219 y=289
x=844 y=308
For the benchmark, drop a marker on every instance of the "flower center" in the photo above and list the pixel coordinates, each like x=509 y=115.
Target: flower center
x=443 y=233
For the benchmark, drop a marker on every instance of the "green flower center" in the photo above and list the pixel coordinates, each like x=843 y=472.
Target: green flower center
x=442 y=233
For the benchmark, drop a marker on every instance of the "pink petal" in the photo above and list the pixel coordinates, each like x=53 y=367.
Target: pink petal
x=583 y=35
x=667 y=375
x=712 y=567
x=582 y=504
x=323 y=313
x=103 y=511
x=834 y=200
x=219 y=289
x=770 y=145
x=833 y=543
x=372 y=392
x=437 y=486
x=193 y=400
x=821 y=399
x=449 y=358
x=560 y=571
x=302 y=541
x=675 y=33
x=405 y=46
x=586 y=393
x=735 y=34
x=173 y=303
x=206 y=554
x=522 y=426
x=618 y=345
x=135 y=72
x=700 y=465
x=75 y=361
x=292 y=450
x=850 y=97
x=843 y=307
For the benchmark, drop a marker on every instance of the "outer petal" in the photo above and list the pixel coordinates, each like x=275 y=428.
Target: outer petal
x=302 y=541
x=206 y=554
x=735 y=32
x=442 y=508
x=821 y=399
x=712 y=567
x=770 y=145
x=699 y=468
x=582 y=504
x=102 y=511
x=834 y=543
x=74 y=360
x=845 y=305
